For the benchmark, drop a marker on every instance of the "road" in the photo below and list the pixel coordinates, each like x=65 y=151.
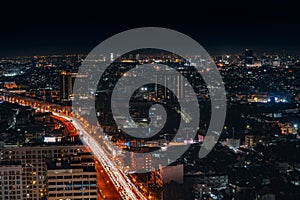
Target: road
x=68 y=125
x=127 y=190
x=123 y=184
x=106 y=188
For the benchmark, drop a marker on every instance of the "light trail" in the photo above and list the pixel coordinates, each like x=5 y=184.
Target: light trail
x=123 y=184
x=127 y=189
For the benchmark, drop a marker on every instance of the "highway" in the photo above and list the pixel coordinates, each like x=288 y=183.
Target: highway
x=69 y=126
x=106 y=189
x=123 y=184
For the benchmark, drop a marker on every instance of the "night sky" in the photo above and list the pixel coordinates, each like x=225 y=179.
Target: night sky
x=48 y=27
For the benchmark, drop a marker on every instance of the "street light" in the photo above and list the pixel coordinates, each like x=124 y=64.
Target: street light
x=295 y=126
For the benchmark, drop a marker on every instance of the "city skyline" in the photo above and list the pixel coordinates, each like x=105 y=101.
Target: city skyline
x=260 y=131
x=88 y=113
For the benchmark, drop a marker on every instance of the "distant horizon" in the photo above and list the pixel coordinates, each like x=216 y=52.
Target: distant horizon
x=54 y=41
x=47 y=49
x=213 y=52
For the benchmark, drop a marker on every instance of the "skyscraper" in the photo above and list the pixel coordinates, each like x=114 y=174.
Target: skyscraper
x=33 y=166
x=163 y=92
x=249 y=58
x=111 y=57
x=67 y=80
x=248 y=53
x=73 y=177
x=10 y=180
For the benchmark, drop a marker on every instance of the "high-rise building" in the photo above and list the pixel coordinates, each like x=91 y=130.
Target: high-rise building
x=11 y=180
x=252 y=140
x=175 y=80
x=233 y=142
x=73 y=177
x=33 y=165
x=172 y=173
x=111 y=57
x=67 y=80
x=211 y=178
x=248 y=53
x=141 y=162
x=249 y=58
x=66 y=85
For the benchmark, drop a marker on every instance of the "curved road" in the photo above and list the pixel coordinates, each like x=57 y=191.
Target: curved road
x=126 y=188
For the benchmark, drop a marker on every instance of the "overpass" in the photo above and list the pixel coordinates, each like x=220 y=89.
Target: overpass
x=122 y=183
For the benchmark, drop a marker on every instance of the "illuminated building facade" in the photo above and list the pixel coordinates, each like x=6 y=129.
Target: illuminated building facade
x=10 y=180
x=33 y=166
x=72 y=178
